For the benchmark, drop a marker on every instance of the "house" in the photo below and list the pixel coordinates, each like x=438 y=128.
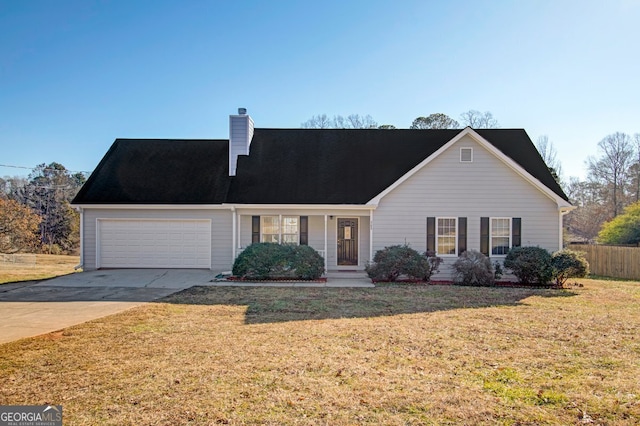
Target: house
x=345 y=192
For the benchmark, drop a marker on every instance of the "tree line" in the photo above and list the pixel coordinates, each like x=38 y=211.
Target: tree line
x=471 y=118
x=607 y=201
x=35 y=212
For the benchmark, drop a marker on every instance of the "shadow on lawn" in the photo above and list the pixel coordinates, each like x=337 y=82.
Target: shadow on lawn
x=281 y=304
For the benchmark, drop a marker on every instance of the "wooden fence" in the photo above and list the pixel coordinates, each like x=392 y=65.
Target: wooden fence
x=612 y=261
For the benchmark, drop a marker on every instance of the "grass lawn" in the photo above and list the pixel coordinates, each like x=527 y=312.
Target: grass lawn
x=46 y=266
x=393 y=355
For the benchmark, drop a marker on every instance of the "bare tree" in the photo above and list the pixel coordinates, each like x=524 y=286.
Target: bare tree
x=320 y=121
x=585 y=222
x=636 y=167
x=550 y=156
x=435 y=121
x=611 y=170
x=352 y=121
x=356 y=121
x=479 y=120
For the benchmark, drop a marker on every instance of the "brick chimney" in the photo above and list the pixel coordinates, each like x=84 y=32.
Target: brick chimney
x=240 y=134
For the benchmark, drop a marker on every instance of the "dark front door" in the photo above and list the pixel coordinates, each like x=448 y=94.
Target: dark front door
x=347 y=242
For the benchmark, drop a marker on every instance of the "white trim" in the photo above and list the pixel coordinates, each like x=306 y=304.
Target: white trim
x=234 y=233
x=326 y=253
x=357 y=236
x=371 y=236
x=560 y=230
x=455 y=238
x=239 y=230
x=303 y=206
x=146 y=219
x=228 y=206
x=156 y=206
x=468 y=131
x=470 y=149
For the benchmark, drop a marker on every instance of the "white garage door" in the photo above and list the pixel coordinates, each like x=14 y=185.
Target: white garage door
x=154 y=243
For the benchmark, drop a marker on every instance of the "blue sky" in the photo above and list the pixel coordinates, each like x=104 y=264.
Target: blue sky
x=75 y=75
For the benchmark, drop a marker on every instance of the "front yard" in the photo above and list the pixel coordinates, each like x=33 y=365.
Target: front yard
x=393 y=355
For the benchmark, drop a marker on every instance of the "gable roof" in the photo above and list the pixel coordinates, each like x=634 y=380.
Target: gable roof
x=328 y=166
x=284 y=166
x=159 y=171
x=353 y=166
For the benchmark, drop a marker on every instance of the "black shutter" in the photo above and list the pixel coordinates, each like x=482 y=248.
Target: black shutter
x=255 y=229
x=304 y=230
x=484 y=236
x=516 y=232
x=462 y=235
x=431 y=234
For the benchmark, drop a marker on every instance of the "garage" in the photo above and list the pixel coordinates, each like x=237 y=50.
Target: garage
x=153 y=243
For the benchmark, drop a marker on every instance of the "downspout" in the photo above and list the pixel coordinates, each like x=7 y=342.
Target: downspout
x=560 y=230
x=81 y=264
x=561 y=227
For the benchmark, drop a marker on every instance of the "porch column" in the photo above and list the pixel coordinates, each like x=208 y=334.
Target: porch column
x=370 y=235
x=233 y=233
x=326 y=254
x=239 y=242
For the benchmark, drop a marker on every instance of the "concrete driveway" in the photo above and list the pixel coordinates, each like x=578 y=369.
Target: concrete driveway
x=33 y=308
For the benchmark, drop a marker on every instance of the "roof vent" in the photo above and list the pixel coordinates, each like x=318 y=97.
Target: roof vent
x=242 y=111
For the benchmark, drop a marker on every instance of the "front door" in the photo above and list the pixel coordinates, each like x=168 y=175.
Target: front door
x=347 y=242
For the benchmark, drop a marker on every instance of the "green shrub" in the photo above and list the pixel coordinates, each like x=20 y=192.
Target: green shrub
x=270 y=260
x=624 y=228
x=473 y=268
x=392 y=262
x=307 y=264
x=532 y=265
x=568 y=264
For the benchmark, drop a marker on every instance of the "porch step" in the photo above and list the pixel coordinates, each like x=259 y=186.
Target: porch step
x=356 y=275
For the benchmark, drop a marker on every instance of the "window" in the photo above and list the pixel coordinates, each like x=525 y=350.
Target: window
x=446 y=235
x=277 y=229
x=466 y=155
x=290 y=230
x=500 y=235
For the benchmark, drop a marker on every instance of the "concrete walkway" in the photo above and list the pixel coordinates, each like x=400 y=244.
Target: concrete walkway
x=39 y=307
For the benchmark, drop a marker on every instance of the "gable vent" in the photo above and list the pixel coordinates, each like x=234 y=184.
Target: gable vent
x=466 y=155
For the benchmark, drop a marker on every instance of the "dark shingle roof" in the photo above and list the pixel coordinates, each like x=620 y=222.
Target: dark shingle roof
x=338 y=166
x=285 y=166
x=329 y=166
x=164 y=171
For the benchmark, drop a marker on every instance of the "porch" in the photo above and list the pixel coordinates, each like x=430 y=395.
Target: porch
x=343 y=237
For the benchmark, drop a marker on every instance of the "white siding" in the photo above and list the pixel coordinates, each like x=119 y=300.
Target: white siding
x=220 y=230
x=447 y=187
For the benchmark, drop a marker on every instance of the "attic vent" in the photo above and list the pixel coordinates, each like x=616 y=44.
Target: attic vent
x=466 y=155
